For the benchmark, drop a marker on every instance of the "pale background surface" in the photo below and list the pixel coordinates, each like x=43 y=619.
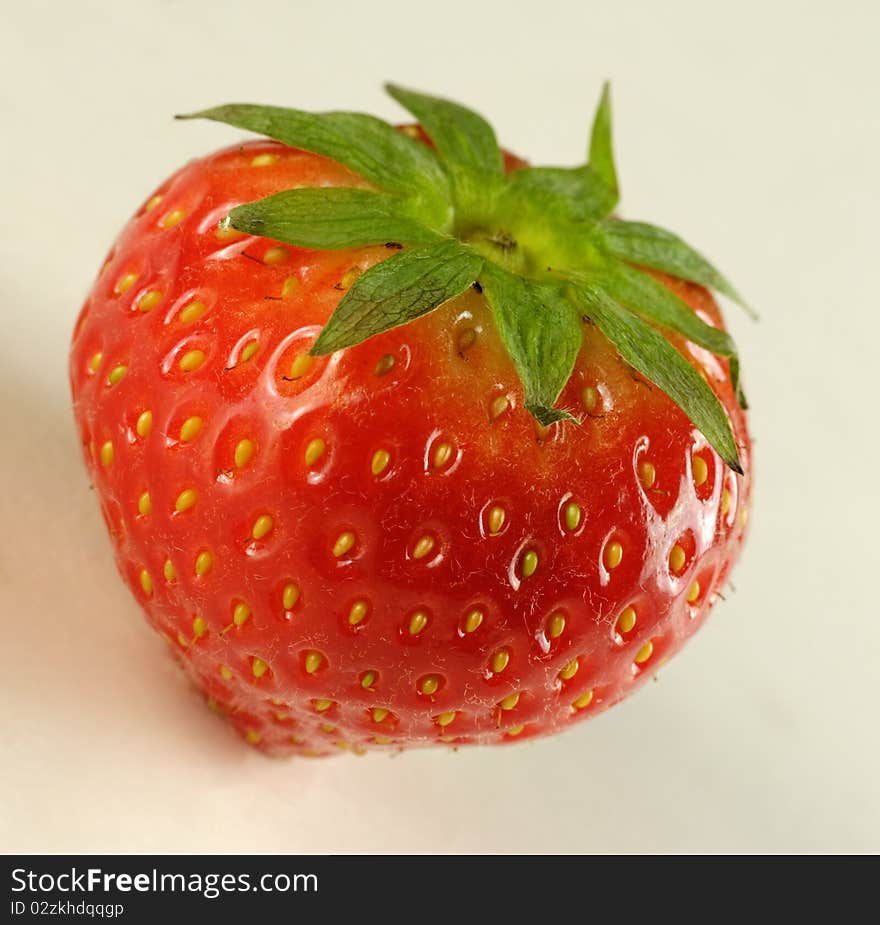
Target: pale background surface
x=752 y=129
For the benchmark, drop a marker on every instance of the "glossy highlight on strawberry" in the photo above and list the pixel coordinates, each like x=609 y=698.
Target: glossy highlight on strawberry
x=381 y=546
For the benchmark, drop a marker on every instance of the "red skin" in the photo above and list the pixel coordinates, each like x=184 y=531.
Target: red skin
x=440 y=389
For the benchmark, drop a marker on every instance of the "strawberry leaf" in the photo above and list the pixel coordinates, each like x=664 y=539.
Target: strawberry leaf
x=397 y=290
x=541 y=330
x=574 y=193
x=639 y=242
x=331 y=217
x=377 y=151
x=462 y=137
x=647 y=351
x=601 y=148
x=464 y=140
x=654 y=302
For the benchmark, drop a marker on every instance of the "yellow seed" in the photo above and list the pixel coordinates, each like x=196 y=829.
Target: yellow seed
x=555 y=626
x=412 y=131
x=583 y=701
x=225 y=233
x=442 y=454
x=743 y=516
x=379 y=714
x=314 y=660
x=323 y=705
x=473 y=620
x=275 y=255
x=646 y=651
x=173 y=218
x=573 y=515
x=444 y=719
x=144 y=423
x=430 y=684
x=146 y=581
x=382 y=740
x=249 y=349
x=149 y=300
x=647 y=474
x=244 y=449
x=192 y=312
x=144 y=504
x=379 y=462
x=350 y=275
x=168 y=571
x=701 y=471
x=385 y=364
x=225 y=673
x=116 y=374
x=417 y=622
x=570 y=670
x=677 y=559
x=204 y=562
x=694 y=593
x=107 y=454
x=259 y=667
x=289 y=596
x=301 y=365
x=191 y=360
x=496 y=518
x=590 y=398
x=509 y=702
x=357 y=613
x=263 y=160
x=182 y=641
x=325 y=727
x=423 y=547
x=613 y=555
x=725 y=502
x=152 y=203
x=466 y=339
x=199 y=627
x=262 y=525
x=253 y=736
x=126 y=282
x=529 y=563
x=241 y=613
x=190 y=429
x=95 y=361
x=368 y=680
x=626 y=621
x=344 y=543
x=185 y=500
x=290 y=288
x=498 y=407
x=515 y=730
x=500 y=660
x=314 y=451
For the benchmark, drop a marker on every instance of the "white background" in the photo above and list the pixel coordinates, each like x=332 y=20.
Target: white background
x=750 y=128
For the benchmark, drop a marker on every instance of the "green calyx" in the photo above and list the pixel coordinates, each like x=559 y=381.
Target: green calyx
x=541 y=243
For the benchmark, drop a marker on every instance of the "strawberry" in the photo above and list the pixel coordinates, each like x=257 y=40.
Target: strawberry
x=401 y=441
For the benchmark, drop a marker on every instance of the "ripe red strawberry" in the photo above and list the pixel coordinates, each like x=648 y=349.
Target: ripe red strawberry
x=469 y=523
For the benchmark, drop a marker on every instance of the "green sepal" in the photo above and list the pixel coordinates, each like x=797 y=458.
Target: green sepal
x=639 y=242
x=398 y=290
x=654 y=302
x=464 y=140
x=575 y=194
x=648 y=352
x=541 y=330
x=330 y=217
x=601 y=147
x=375 y=150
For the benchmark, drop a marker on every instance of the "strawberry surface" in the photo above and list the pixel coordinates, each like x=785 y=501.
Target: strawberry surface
x=382 y=548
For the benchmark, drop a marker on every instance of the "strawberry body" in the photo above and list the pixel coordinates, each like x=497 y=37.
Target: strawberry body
x=382 y=548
